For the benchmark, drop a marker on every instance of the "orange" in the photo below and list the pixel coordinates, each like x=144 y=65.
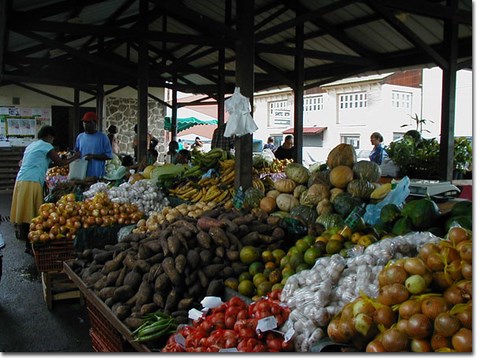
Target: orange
x=337 y=237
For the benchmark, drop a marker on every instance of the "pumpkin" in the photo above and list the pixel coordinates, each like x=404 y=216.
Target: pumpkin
x=342 y=154
x=315 y=194
x=345 y=203
x=252 y=199
x=360 y=188
x=324 y=207
x=304 y=213
x=367 y=170
x=330 y=220
x=297 y=173
x=285 y=185
x=334 y=192
x=340 y=176
x=286 y=202
x=273 y=193
x=299 y=190
x=268 y=204
x=320 y=177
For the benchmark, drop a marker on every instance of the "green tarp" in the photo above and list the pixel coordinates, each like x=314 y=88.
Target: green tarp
x=186 y=123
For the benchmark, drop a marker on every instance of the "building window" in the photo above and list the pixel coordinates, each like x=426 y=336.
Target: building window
x=279 y=113
x=353 y=100
x=313 y=103
x=402 y=100
x=351 y=139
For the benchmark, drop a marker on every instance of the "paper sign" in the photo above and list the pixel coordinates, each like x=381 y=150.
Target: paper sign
x=211 y=302
x=289 y=334
x=268 y=323
x=194 y=314
x=228 y=350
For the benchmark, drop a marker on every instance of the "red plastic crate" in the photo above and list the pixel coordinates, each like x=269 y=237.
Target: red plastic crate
x=49 y=257
x=106 y=336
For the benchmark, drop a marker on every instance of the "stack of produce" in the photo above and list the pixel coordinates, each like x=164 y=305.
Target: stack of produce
x=315 y=296
x=174 y=267
x=210 y=159
x=62 y=219
x=233 y=326
x=145 y=194
x=424 y=303
x=112 y=166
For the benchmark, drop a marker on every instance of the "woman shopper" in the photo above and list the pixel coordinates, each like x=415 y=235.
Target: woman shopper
x=378 y=152
x=28 y=190
x=112 y=136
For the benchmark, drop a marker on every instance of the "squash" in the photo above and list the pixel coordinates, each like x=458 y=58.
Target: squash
x=315 y=194
x=342 y=154
x=345 y=203
x=297 y=173
x=330 y=220
x=360 y=188
x=324 y=207
x=340 y=176
x=320 y=177
x=334 y=192
x=285 y=185
x=297 y=192
x=252 y=199
x=304 y=213
x=367 y=170
x=268 y=204
x=286 y=202
x=273 y=193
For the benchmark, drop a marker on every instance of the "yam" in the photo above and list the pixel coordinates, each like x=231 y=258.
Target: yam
x=180 y=263
x=230 y=226
x=123 y=293
x=185 y=304
x=155 y=270
x=184 y=224
x=244 y=220
x=132 y=301
x=109 y=302
x=161 y=282
x=148 y=308
x=219 y=236
x=130 y=259
x=235 y=243
x=233 y=255
x=204 y=239
x=106 y=292
x=205 y=223
x=168 y=265
x=242 y=230
x=239 y=267
x=171 y=301
x=144 y=294
x=102 y=257
x=261 y=228
x=250 y=239
x=159 y=300
x=121 y=276
x=213 y=213
x=141 y=266
x=114 y=264
x=211 y=271
x=220 y=251
x=173 y=244
x=93 y=278
x=133 y=279
x=204 y=281
x=215 y=288
x=205 y=257
x=112 y=278
x=154 y=246
x=121 y=311
x=193 y=258
x=156 y=259
x=133 y=323
x=278 y=233
x=144 y=252
x=196 y=290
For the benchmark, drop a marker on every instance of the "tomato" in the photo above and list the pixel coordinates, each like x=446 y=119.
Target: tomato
x=232 y=311
x=206 y=325
x=242 y=315
x=230 y=322
x=275 y=294
x=236 y=301
x=231 y=342
x=274 y=344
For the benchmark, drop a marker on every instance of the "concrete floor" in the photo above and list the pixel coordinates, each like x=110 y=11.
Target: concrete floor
x=26 y=324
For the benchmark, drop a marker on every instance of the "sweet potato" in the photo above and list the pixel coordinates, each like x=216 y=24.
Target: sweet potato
x=193 y=258
x=161 y=282
x=215 y=288
x=121 y=276
x=156 y=259
x=185 y=225
x=121 y=311
x=173 y=244
x=205 y=223
x=196 y=290
x=141 y=266
x=230 y=226
x=144 y=252
x=93 y=278
x=168 y=265
x=144 y=294
x=204 y=239
x=261 y=228
x=233 y=255
x=101 y=257
x=244 y=220
x=239 y=267
x=133 y=279
x=148 y=308
x=159 y=300
x=130 y=259
x=206 y=257
x=203 y=279
x=106 y=292
x=155 y=270
x=112 y=277
x=220 y=251
x=213 y=213
x=185 y=304
x=114 y=264
x=171 y=301
x=235 y=243
x=180 y=263
x=219 y=236
x=123 y=292
x=211 y=271
x=250 y=239
x=227 y=272
x=133 y=323
x=154 y=245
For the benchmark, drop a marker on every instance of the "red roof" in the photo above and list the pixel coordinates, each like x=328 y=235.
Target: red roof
x=314 y=130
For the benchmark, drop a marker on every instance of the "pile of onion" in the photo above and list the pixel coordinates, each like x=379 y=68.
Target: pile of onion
x=62 y=219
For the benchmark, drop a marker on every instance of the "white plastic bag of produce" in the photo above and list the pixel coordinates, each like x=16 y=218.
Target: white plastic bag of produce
x=77 y=169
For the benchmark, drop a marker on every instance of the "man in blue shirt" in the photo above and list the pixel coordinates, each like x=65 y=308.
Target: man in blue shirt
x=93 y=145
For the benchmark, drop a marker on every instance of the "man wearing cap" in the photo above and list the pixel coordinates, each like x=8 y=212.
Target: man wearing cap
x=93 y=145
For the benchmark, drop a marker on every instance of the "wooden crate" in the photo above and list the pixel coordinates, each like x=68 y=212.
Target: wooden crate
x=57 y=286
x=49 y=257
x=105 y=338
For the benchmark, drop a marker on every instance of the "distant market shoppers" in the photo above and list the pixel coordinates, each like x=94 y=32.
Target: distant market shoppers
x=270 y=144
x=286 y=150
x=112 y=136
x=28 y=190
x=94 y=146
x=378 y=152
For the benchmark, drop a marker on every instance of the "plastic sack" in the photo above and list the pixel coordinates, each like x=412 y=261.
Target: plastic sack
x=240 y=121
x=77 y=169
x=397 y=196
x=268 y=155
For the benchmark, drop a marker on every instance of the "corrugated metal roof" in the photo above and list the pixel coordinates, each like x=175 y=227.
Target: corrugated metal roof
x=341 y=38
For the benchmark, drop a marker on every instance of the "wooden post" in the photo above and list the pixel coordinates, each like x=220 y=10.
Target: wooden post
x=142 y=119
x=298 y=94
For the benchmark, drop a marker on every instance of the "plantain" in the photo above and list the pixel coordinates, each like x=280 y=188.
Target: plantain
x=222 y=196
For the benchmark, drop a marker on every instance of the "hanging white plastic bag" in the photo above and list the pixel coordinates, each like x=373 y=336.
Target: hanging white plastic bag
x=240 y=121
x=77 y=169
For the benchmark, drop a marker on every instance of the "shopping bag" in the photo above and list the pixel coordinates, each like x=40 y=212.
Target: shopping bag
x=77 y=169
x=240 y=121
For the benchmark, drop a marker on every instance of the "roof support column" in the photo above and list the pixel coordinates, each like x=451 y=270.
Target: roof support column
x=76 y=115
x=448 y=95
x=99 y=104
x=244 y=78
x=142 y=93
x=221 y=70
x=298 y=93
x=173 y=125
